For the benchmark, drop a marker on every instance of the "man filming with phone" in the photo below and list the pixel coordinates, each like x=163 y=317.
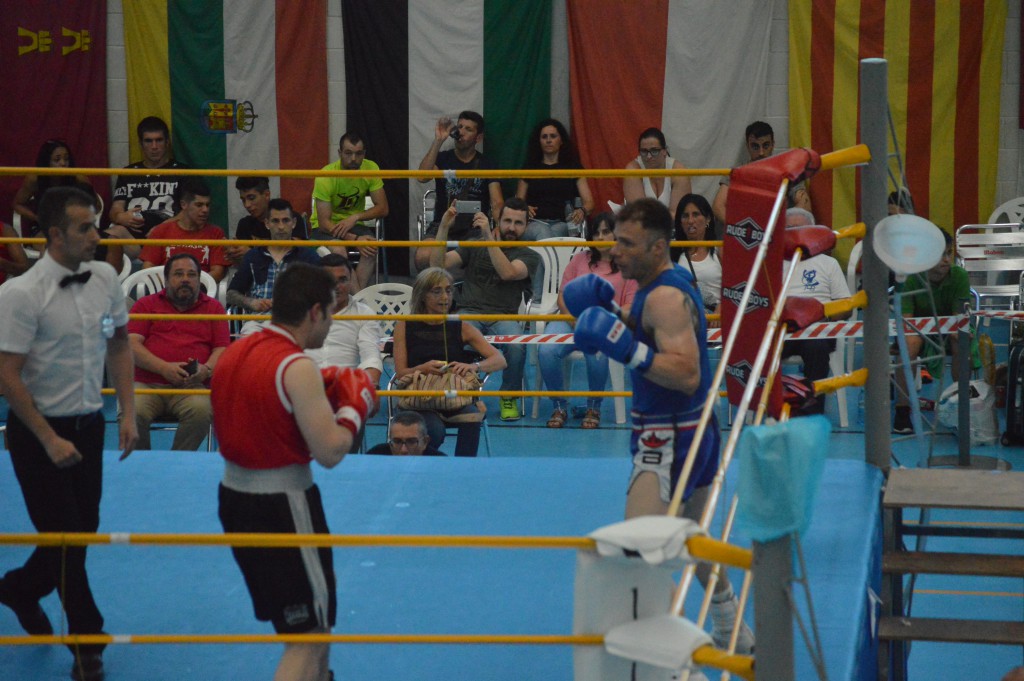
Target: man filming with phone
x=466 y=132
x=495 y=282
x=176 y=354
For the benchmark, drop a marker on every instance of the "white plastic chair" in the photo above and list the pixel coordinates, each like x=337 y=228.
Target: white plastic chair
x=126 y=268
x=1011 y=211
x=151 y=280
x=386 y=299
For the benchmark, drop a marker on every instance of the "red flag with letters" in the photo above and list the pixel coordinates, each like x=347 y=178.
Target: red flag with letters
x=53 y=55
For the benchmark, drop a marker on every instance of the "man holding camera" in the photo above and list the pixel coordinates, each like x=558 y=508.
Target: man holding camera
x=467 y=132
x=496 y=280
x=176 y=354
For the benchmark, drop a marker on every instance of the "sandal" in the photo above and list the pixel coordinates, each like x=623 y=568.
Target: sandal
x=558 y=418
x=592 y=419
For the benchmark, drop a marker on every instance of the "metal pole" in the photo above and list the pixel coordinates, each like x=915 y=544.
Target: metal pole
x=873 y=117
x=964 y=403
x=773 y=615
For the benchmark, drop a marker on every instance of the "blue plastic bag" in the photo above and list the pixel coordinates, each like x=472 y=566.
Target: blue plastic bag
x=780 y=467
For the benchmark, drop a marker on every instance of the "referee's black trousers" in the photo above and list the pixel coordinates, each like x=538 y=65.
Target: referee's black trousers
x=60 y=500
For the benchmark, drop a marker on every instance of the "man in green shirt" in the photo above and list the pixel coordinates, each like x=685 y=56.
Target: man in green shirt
x=950 y=290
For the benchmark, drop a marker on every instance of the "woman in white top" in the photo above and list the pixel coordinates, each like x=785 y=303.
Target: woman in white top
x=694 y=221
x=653 y=155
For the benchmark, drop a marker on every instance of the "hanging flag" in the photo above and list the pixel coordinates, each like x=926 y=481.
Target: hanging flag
x=408 y=62
x=53 y=56
x=242 y=83
x=698 y=70
x=945 y=70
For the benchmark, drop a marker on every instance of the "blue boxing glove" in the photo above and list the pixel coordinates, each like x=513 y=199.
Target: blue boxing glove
x=588 y=291
x=598 y=330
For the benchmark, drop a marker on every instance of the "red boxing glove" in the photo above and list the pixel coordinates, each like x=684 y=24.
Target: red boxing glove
x=352 y=395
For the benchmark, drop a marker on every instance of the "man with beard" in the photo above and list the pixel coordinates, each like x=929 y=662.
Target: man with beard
x=663 y=341
x=191 y=223
x=176 y=354
x=339 y=204
x=252 y=287
x=496 y=280
x=62 y=319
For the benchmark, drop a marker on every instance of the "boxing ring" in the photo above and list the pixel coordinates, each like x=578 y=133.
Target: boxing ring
x=197 y=590
x=194 y=593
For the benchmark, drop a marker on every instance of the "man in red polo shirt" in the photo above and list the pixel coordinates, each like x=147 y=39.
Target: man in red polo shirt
x=177 y=354
x=192 y=198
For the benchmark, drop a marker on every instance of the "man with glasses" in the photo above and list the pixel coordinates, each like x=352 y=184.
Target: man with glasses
x=760 y=143
x=339 y=203
x=408 y=437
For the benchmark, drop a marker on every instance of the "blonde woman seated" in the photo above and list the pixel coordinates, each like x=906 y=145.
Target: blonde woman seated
x=599 y=262
x=435 y=347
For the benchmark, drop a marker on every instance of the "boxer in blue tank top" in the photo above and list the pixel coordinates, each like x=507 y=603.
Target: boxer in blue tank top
x=663 y=341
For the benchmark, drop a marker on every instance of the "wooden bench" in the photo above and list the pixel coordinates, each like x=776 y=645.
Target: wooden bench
x=957 y=489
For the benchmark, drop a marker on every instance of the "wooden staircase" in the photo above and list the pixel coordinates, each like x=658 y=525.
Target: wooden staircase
x=949 y=489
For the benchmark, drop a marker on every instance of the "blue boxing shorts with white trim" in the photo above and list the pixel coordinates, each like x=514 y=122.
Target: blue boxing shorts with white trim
x=659 y=444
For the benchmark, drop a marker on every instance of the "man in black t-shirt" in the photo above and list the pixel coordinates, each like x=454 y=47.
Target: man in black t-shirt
x=141 y=202
x=467 y=132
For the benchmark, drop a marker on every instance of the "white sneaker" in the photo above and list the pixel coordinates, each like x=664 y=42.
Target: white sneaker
x=723 y=619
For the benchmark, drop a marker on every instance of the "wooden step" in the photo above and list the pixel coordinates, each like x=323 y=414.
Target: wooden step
x=954 y=488
x=934 y=563
x=951 y=631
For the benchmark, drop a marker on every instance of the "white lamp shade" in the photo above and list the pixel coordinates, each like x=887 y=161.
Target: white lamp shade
x=908 y=244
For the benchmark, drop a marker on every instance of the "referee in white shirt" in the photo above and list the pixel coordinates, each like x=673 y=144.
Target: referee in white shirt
x=61 y=320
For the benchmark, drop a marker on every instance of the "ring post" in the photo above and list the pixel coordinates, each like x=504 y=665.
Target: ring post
x=873 y=117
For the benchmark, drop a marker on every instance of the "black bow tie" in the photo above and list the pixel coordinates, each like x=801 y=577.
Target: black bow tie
x=79 y=278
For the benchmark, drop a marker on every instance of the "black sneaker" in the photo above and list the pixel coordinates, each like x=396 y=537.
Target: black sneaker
x=901 y=421
x=30 y=616
x=88 y=667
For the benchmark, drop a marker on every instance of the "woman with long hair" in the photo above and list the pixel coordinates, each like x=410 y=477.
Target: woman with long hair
x=54 y=153
x=653 y=155
x=694 y=221
x=598 y=261
x=437 y=347
x=557 y=205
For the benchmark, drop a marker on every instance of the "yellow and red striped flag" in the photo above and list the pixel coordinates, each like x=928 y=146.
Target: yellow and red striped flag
x=945 y=68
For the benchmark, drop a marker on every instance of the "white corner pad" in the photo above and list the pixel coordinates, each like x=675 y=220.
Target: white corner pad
x=658 y=539
x=664 y=641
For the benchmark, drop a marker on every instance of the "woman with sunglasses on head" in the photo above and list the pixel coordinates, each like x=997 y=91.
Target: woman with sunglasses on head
x=598 y=261
x=557 y=205
x=694 y=221
x=653 y=155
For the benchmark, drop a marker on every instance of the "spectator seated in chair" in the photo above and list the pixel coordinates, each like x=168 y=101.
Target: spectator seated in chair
x=819 y=277
x=950 y=290
x=252 y=287
x=599 y=262
x=176 y=354
x=254 y=193
x=435 y=347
